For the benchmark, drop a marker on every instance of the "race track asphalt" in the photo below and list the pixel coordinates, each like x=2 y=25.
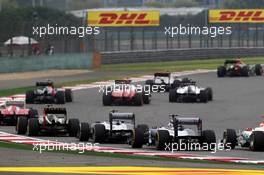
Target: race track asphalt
x=237 y=104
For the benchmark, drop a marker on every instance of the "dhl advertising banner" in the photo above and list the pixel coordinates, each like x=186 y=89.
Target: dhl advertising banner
x=236 y=16
x=123 y=18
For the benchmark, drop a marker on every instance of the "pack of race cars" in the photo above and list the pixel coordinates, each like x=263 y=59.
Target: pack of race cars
x=122 y=127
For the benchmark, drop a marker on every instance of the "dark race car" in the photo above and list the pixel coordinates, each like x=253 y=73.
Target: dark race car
x=12 y=110
x=190 y=92
x=117 y=130
x=45 y=92
x=122 y=92
x=237 y=67
x=53 y=121
x=164 y=81
x=186 y=130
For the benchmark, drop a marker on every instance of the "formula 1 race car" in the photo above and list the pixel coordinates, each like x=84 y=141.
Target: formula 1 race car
x=117 y=130
x=122 y=92
x=253 y=138
x=190 y=92
x=53 y=121
x=47 y=93
x=12 y=110
x=165 y=81
x=237 y=67
x=194 y=137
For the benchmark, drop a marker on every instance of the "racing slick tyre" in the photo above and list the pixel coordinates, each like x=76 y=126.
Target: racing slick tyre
x=84 y=132
x=256 y=141
x=21 y=127
x=221 y=71
x=230 y=137
x=149 y=83
x=258 y=70
x=209 y=93
x=143 y=127
x=173 y=95
x=162 y=138
x=137 y=140
x=203 y=96
x=245 y=71
x=60 y=96
x=33 y=113
x=146 y=98
x=68 y=95
x=33 y=127
x=176 y=84
x=107 y=99
x=138 y=99
x=99 y=133
x=73 y=127
x=208 y=137
x=30 y=97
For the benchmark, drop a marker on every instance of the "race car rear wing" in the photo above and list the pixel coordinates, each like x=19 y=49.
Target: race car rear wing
x=47 y=83
x=162 y=74
x=122 y=81
x=115 y=115
x=179 y=121
x=55 y=110
x=230 y=62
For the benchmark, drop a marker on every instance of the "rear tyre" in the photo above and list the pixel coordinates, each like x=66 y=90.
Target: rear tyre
x=256 y=141
x=30 y=97
x=258 y=70
x=137 y=140
x=143 y=127
x=60 y=96
x=68 y=95
x=73 y=126
x=203 y=96
x=138 y=99
x=162 y=138
x=146 y=98
x=221 y=71
x=84 y=132
x=149 y=83
x=172 y=95
x=230 y=137
x=98 y=133
x=245 y=71
x=21 y=127
x=209 y=93
x=107 y=99
x=208 y=137
x=33 y=127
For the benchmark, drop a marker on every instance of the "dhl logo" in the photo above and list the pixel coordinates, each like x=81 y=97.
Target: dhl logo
x=236 y=16
x=123 y=18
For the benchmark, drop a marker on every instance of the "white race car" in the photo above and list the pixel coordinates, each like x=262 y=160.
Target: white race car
x=253 y=138
x=190 y=92
x=175 y=132
x=117 y=130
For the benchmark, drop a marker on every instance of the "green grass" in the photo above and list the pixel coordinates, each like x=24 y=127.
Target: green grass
x=171 y=66
x=115 y=155
x=175 y=65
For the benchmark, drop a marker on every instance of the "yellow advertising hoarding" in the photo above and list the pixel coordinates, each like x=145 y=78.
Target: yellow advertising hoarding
x=123 y=18
x=236 y=16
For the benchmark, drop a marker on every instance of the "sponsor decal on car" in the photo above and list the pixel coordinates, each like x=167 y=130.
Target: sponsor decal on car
x=236 y=16
x=123 y=18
